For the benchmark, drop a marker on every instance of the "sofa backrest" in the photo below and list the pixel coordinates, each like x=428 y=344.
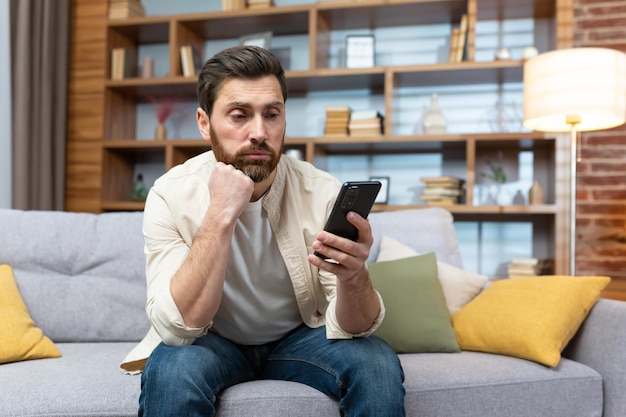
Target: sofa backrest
x=82 y=276
x=428 y=229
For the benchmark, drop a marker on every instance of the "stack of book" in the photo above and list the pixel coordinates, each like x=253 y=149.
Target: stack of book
x=233 y=4
x=259 y=4
x=337 y=119
x=122 y=9
x=443 y=190
x=365 y=123
x=458 y=40
x=528 y=267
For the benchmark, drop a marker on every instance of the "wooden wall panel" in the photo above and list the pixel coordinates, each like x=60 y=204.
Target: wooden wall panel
x=85 y=105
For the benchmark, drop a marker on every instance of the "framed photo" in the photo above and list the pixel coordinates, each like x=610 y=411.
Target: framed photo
x=360 y=51
x=383 y=194
x=262 y=39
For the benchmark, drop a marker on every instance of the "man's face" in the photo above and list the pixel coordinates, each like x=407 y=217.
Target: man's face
x=247 y=126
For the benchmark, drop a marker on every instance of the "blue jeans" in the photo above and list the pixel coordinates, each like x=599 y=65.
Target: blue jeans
x=364 y=374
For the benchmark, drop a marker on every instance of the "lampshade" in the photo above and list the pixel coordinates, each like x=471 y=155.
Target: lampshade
x=584 y=85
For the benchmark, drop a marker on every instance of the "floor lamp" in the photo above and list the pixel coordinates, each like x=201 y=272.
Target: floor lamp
x=575 y=90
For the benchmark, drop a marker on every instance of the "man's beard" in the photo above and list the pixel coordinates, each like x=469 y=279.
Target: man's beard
x=257 y=170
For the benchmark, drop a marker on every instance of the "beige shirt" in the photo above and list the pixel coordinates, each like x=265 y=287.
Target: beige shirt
x=297 y=203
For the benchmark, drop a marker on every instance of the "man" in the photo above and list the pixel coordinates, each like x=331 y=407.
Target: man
x=235 y=292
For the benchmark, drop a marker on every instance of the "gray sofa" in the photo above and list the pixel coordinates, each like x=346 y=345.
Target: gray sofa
x=82 y=279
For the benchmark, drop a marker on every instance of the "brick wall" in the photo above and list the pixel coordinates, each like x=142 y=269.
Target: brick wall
x=601 y=179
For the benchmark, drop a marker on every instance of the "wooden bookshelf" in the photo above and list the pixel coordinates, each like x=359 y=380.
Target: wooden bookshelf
x=102 y=148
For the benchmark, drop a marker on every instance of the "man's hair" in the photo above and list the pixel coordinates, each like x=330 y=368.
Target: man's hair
x=250 y=62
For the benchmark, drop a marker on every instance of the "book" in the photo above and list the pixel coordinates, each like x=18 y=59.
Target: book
x=365 y=114
x=365 y=132
x=337 y=119
x=442 y=202
x=190 y=61
x=524 y=267
x=442 y=191
x=443 y=181
x=122 y=64
x=462 y=40
x=338 y=109
x=233 y=4
x=122 y=9
x=259 y=4
x=366 y=123
x=458 y=40
x=525 y=261
x=454 y=42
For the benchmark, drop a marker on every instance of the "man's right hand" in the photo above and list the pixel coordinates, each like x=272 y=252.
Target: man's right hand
x=230 y=191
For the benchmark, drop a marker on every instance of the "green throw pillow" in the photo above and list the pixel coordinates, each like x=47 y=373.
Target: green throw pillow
x=417 y=319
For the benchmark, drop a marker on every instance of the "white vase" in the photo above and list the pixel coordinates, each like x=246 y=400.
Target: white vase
x=433 y=122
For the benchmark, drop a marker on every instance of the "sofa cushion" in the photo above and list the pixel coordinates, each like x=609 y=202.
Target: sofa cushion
x=459 y=286
x=416 y=318
x=532 y=318
x=474 y=384
x=85 y=381
x=275 y=398
x=82 y=276
x=21 y=339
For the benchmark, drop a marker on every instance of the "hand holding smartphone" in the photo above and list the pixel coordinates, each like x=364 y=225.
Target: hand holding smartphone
x=357 y=196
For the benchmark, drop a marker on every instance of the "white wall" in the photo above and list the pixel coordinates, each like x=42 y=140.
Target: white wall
x=5 y=107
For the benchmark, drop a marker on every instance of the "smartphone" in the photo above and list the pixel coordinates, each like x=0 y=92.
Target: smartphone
x=357 y=196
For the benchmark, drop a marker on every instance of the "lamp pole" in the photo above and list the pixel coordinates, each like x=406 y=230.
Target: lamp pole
x=575 y=157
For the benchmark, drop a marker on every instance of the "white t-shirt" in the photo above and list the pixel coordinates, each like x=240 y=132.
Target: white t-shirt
x=258 y=304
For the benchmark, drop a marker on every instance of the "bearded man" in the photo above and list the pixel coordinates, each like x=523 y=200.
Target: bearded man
x=235 y=292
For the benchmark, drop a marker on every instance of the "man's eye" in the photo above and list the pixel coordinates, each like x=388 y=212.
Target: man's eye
x=238 y=116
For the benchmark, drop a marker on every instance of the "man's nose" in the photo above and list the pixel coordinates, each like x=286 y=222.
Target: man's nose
x=258 y=129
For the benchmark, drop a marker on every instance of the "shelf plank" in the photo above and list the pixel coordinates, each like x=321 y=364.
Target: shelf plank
x=465 y=73
x=516 y=9
x=301 y=82
x=109 y=205
x=389 y=13
x=547 y=209
x=143 y=89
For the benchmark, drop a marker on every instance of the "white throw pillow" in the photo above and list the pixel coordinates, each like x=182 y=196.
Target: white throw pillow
x=459 y=286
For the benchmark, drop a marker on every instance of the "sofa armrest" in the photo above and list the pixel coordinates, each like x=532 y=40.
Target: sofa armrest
x=601 y=344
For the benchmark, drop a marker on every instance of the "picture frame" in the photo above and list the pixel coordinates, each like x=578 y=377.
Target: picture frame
x=262 y=39
x=383 y=194
x=360 y=51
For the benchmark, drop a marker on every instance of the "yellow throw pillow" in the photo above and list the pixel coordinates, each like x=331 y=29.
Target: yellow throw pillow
x=19 y=338
x=531 y=318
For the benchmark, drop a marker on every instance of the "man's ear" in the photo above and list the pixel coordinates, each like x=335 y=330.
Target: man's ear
x=203 y=124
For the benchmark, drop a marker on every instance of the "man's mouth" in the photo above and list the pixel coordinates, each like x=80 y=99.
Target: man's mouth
x=258 y=155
